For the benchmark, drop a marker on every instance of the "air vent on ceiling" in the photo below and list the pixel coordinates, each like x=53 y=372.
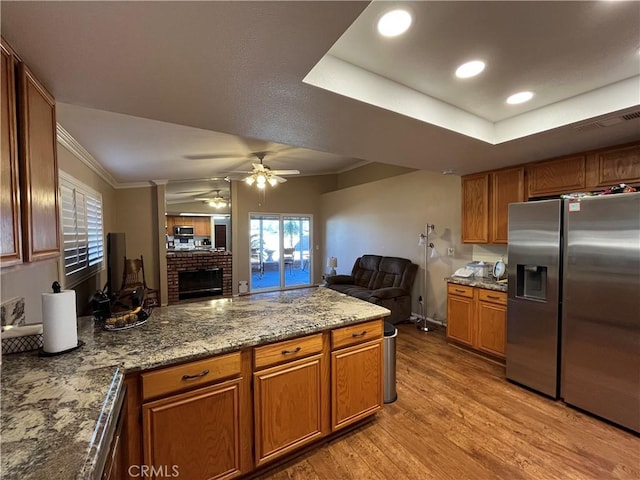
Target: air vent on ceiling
x=607 y=122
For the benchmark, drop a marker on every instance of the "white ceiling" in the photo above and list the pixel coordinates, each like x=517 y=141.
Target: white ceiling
x=189 y=90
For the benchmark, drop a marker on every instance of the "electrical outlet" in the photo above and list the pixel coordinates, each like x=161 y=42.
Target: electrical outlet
x=451 y=251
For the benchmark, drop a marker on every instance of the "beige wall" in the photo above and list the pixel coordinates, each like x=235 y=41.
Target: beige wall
x=301 y=195
x=30 y=280
x=386 y=217
x=137 y=216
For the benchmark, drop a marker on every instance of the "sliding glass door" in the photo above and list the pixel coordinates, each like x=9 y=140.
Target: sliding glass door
x=280 y=251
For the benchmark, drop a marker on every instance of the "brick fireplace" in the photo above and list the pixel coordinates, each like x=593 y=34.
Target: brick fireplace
x=197 y=261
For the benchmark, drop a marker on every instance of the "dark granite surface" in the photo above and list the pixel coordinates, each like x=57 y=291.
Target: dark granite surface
x=56 y=410
x=488 y=283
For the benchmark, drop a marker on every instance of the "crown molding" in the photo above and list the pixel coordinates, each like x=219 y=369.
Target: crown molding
x=65 y=139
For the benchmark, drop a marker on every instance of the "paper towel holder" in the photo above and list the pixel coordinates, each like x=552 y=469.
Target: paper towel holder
x=55 y=286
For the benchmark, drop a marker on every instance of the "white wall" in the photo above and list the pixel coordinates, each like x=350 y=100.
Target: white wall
x=386 y=217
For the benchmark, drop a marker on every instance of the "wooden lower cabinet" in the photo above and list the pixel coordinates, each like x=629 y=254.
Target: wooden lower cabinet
x=492 y=320
x=194 y=435
x=460 y=310
x=202 y=420
x=477 y=318
x=356 y=383
x=289 y=400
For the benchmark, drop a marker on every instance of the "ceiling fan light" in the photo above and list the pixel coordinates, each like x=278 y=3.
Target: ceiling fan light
x=261 y=179
x=250 y=180
x=273 y=182
x=260 y=185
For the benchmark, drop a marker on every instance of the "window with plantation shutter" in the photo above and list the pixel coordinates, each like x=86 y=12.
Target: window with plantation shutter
x=83 y=243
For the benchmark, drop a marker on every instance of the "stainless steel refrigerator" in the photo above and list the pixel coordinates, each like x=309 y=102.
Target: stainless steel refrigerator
x=573 y=312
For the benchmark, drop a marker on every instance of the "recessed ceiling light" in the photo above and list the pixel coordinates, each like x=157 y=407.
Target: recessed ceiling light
x=519 y=97
x=470 y=69
x=394 y=23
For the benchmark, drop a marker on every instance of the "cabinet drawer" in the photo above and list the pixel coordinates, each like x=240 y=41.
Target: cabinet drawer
x=287 y=350
x=181 y=377
x=460 y=290
x=353 y=334
x=492 y=296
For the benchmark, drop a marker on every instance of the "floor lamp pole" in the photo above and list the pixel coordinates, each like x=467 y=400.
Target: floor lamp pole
x=424 y=239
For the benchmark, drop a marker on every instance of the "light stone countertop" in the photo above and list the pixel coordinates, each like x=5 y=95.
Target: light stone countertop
x=55 y=410
x=488 y=283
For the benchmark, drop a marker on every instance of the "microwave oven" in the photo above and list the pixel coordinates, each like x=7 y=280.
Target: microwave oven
x=183 y=231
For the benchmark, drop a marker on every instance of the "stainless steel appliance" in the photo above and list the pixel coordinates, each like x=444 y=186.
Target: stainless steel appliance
x=184 y=231
x=573 y=317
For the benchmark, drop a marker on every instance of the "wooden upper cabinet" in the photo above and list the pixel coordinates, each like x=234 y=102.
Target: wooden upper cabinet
x=202 y=226
x=554 y=177
x=612 y=167
x=507 y=186
x=475 y=208
x=38 y=168
x=10 y=233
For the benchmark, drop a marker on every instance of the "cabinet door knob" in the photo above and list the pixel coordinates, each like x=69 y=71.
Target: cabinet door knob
x=290 y=352
x=197 y=375
x=361 y=334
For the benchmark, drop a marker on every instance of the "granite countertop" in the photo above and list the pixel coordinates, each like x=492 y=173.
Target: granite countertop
x=56 y=410
x=488 y=283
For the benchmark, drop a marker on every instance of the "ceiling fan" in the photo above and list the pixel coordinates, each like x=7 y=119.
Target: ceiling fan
x=216 y=202
x=262 y=174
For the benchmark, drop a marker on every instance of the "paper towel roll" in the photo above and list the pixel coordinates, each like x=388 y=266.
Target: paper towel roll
x=59 y=324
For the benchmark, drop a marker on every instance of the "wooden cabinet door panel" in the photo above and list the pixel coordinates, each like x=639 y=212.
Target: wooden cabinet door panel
x=287 y=407
x=39 y=169
x=10 y=232
x=475 y=208
x=356 y=383
x=507 y=187
x=492 y=323
x=460 y=319
x=557 y=176
x=195 y=434
x=618 y=166
x=202 y=226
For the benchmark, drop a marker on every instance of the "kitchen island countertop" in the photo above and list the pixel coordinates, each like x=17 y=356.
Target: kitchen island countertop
x=56 y=410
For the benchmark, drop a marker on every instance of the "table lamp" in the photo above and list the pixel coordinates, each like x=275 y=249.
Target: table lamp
x=332 y=264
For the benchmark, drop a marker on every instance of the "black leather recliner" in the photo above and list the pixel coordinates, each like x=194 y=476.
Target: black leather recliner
x=385 y=281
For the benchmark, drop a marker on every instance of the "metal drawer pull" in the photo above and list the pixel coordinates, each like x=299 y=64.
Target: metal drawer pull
x=197 y=375
x=493 y=297
x=460 y=291
x=289 y=352
x=356 y=335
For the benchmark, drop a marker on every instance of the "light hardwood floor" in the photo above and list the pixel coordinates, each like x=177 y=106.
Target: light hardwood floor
x=457 y=418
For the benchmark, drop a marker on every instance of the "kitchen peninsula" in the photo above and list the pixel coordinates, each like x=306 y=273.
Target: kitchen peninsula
x=58 y=413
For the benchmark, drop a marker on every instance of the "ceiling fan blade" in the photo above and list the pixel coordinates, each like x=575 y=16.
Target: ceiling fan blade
x=286 y=172
x=279 y=179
